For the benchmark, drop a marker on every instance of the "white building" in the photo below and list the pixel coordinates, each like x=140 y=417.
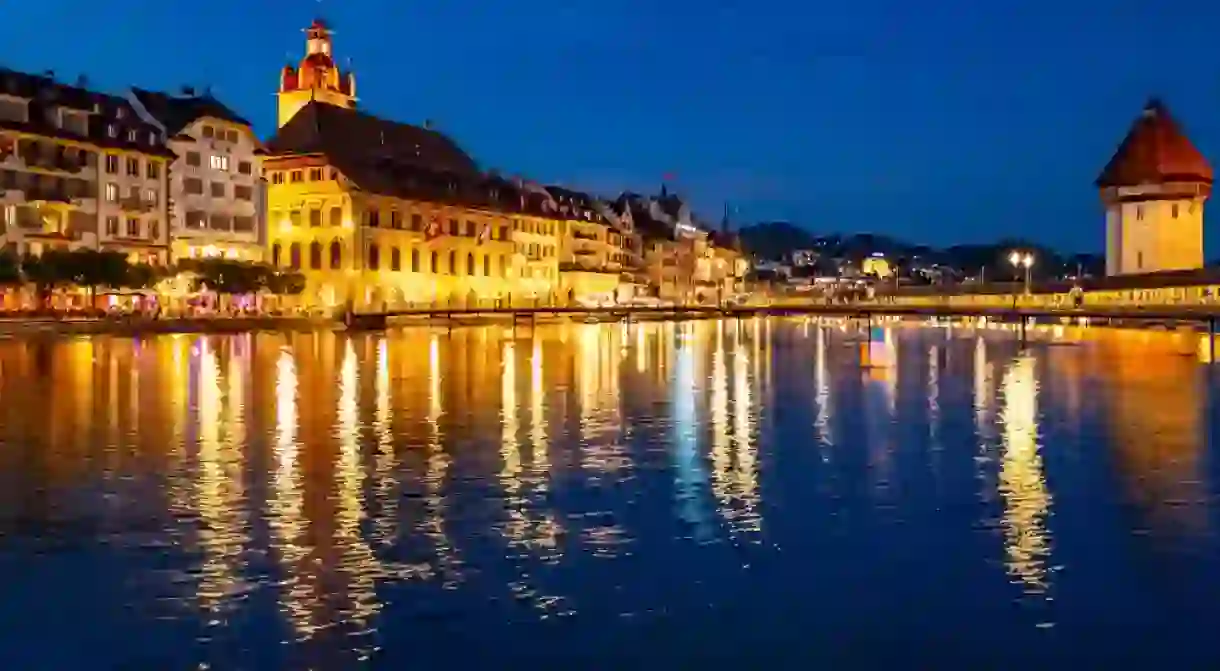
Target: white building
x=217 y=195
x=79 y=170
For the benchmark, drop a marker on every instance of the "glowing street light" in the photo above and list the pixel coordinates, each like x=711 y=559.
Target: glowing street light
x=1019 y=260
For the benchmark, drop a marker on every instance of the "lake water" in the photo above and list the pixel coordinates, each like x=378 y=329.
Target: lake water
x=773 y=493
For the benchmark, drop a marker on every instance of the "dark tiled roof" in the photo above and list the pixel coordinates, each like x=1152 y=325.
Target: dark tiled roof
x=45 y=94
x=358 y=143
x=1155 y=151
x=177 y=112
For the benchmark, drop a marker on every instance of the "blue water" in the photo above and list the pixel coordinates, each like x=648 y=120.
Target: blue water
x=773 y=493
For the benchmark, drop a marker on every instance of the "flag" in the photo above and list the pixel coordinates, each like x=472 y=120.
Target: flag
x=433 y=229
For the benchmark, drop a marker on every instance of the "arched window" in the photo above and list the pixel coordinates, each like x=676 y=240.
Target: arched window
x=470 y=264
x=315 y=255
x=336 y=255
x=395 y=260
x=275 y=254
x=436 y=263
x=453 y=266
x=294 y=256
x=415 y=260
x=487 y=266
x=374 y=257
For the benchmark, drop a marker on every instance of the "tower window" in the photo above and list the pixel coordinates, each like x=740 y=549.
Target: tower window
x=1139 y=212
x=1174 y=210
x=1139 y=260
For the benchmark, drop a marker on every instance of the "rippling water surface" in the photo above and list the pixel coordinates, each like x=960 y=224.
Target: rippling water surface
x=768 y=492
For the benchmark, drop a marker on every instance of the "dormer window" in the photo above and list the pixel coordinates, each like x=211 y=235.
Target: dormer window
x=121 y=113
x=131 y=136
x=208 y=131
x=112 y=130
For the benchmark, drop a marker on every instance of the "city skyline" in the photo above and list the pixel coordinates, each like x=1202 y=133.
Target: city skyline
x=923 y=139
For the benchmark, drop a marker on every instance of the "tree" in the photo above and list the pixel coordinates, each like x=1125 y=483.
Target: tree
x=10 y=269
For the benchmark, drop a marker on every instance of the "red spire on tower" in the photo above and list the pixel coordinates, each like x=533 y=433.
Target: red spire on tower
x=1155 y=151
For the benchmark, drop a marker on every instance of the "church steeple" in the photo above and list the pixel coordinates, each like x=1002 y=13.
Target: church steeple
x=317 y=78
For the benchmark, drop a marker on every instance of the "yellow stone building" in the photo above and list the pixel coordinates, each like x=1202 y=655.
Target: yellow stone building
x=379 y=214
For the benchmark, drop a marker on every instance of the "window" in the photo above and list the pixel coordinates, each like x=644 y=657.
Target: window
x=415 y=260
x=295 y=176
x=220 y=162
x=395 y=219
x=277 y=178
x=221 y=222
x=1139 y=212
x=470 y=229
x=453 y=227
x=294 y=256
x=275 y=254
x=395 y=260
x=243 y=192
x=133 y=227
x=315 y=218
x=231 y=135
x=154 y=229
x=417 y=222
x=315 y=255
x=152 y=170
x=193 y=159
x=374 y=257
x=192 y=185
x=372 y=218
x=336 y=255
x=487 y=265
x=294 y=218
x=112 y=192
x=453 y=267
x=243 y=224
x=470 y=264
x=436 y=263
x=218 y=189
x=504 y=266
x=245 y=167
x=196 y=219
x=208 y=131
x=112 y=164
x=150 y=196
x=112 y=130
x=315 y=174
x=112 y=226
x=1174 y=210
x=336 y=216
x=1139 y=260
x=131 y=136
x=133 y=167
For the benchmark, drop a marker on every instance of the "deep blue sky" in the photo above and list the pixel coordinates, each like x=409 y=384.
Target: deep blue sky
x=948 y=121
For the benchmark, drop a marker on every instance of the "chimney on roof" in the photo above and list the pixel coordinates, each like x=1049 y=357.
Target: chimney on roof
x=428 y=124
x=188 y=90
x=49 y=74
x=82 y=81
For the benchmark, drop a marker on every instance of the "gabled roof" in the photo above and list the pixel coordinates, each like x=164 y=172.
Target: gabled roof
x=104 y=110
x=1155 y=151
x=359 y=144
x=178 y=112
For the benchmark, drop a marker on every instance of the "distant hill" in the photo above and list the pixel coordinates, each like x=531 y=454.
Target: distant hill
x=775 y=239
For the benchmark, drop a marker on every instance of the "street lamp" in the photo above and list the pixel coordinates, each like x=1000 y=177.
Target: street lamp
x=1019 y=260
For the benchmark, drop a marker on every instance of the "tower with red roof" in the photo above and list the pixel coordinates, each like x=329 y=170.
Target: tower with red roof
x=1154 y=189
x=316 y=78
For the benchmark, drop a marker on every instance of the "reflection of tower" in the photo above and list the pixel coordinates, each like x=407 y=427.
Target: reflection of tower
x=317 y=78
x=1155 y=400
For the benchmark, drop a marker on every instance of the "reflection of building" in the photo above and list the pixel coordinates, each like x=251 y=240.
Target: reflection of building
x=1154 y=189
x=1155 y=406
x=215 y=187
x=78 y=169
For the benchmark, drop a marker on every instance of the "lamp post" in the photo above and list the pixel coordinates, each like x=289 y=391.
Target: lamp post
x=1019 y=260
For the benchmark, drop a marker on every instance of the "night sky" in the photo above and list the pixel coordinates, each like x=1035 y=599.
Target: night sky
x=940 y=122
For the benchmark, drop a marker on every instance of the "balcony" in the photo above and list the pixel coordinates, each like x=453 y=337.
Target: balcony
x=136 y=204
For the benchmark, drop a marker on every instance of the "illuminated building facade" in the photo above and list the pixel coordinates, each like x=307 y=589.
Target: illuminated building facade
x=1154 y=189
x=217 y=196
x=79 y=170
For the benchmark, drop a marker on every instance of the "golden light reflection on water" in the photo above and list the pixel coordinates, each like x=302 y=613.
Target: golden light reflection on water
x=334 y=471
x=1022 y=483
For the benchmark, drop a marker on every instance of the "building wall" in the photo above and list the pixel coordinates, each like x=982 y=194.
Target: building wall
x=386 y=256
x=66 y=194
x=537 y=244
x=214 y=190
x=1154 y=228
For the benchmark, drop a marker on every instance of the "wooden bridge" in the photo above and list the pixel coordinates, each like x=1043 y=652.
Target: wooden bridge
x=1165 y=314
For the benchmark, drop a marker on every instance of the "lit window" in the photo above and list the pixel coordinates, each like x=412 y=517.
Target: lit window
x=112 y=193
x=220 y=162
